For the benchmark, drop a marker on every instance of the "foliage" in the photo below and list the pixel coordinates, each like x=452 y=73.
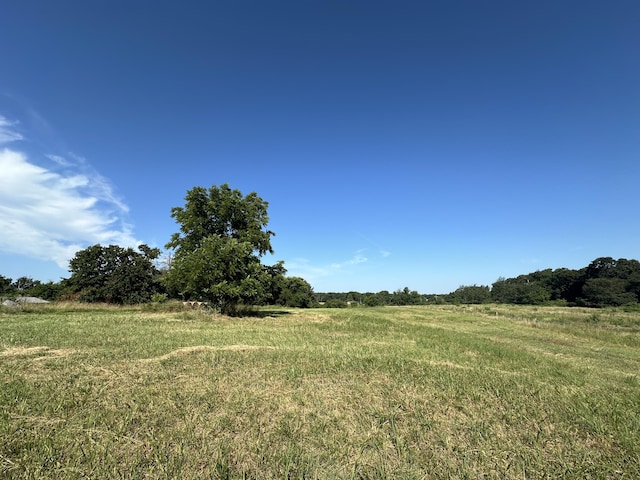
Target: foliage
x=274 y=282
x=24 y=284
x=371 y=300
x=47 y=291
x=471 y=294
x=564 y=283
x=295 y=292
x=222 y=271
x=27 y=286
x=217 y=251
x=520 y=291
x=335 y=303
x=6 y=285
x=406 y=297
x=599 y=292
x=114 y=274
x=223 y=212
x=159 y=298
x=399 y=297
x=604 y=282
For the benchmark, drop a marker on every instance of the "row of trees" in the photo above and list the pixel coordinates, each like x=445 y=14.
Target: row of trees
x=216 y=257
x=27 y=286
x=384 y=297
x=604 y=282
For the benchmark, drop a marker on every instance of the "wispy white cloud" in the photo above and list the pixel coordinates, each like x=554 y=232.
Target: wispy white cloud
x=302 y=267
x=355 y=260
x=51 y=212
x=382 y=251
x=305 y=268
x=7 y=131
x=334 y=276
x=63 y=162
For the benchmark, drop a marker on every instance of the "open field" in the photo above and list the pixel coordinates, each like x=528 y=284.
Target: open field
x=393 y=392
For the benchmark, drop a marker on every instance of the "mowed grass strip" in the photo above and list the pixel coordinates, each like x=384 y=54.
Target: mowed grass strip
x=393 y=392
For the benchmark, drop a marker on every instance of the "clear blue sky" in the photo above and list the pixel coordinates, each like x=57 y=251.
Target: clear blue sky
x=427 y=144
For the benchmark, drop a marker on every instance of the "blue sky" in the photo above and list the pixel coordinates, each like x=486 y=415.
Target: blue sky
x=426 y=144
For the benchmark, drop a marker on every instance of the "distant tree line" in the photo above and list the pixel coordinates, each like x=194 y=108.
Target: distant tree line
x=27 y=286
x=114 y=274
x=215 y=258
x=384 y=297
x=605 y=282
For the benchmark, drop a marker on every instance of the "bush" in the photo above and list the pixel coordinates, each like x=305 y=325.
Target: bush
x=335 y=303
x=159 y=298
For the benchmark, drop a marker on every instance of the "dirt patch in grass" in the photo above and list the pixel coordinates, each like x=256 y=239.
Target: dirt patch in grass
x=22 y=351
x=37 y=352
x=194 y=350
x=448 y=364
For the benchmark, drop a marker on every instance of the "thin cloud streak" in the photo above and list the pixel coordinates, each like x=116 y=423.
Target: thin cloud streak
x=358 y=258
x=63 y=162
x=302 y=267
x=7 y=133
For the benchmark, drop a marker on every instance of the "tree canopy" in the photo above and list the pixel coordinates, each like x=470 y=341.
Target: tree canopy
x=114 y=274
x=224 y=212
x=295 y=292
x=218 y=248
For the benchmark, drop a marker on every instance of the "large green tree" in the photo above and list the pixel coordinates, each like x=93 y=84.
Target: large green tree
x=221 y=211
x=217 y=251
x=114 y=274
x=296 y=292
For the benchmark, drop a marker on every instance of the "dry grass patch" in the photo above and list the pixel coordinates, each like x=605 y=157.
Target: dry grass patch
x=185 y=351
x=22 y=351
x=38 y=353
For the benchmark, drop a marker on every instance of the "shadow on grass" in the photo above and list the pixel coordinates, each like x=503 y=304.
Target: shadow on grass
x=254 y=313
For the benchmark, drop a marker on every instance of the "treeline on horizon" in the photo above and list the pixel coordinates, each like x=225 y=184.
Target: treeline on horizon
x=605 y=282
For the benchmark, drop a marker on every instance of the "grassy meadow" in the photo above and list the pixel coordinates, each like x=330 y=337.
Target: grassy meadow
x=392 y=392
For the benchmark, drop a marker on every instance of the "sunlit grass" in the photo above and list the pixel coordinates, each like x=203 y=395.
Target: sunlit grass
x=395 y=392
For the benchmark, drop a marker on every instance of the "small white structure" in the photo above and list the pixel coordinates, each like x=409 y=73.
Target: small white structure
x=30 y=300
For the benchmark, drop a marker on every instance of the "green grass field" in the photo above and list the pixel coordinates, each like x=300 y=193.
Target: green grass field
x=394 y=392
